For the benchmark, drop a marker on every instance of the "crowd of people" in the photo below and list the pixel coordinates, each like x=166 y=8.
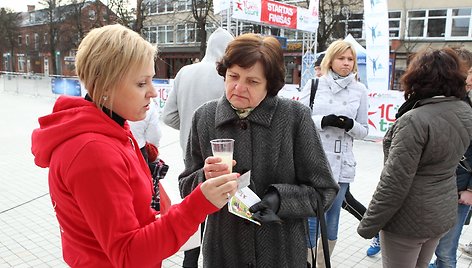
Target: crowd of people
x=299 y=154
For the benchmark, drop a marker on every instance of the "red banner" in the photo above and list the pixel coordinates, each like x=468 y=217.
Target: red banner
x=276 y=13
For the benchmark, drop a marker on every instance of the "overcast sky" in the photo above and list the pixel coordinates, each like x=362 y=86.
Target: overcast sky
x=21 y=5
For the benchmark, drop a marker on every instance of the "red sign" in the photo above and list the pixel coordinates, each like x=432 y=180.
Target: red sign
x=276 y=13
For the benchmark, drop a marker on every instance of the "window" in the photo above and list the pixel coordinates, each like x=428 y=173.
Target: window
x=180 y=38
x=20 y=40
x=184 y=5
x=164 y=6
x=355 y=25
x=46 y=38
x=245 y=28
x=165 y=34
x=427 y=23
x=152 y=4
x=21 y=63
x=32 y=17
x=186 y=33
x=27 y=40
x=436 y=23
x=36 y=41
x=210 y=28
x=461 y=22
x=291 y=34
x=394 y=22
x=152 y=35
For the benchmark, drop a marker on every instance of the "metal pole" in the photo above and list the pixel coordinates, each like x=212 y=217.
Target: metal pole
x=345 y=12
x=228 y=18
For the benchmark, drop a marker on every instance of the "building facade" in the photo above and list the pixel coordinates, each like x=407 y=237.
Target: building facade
x=48 y=38
x=413 y=24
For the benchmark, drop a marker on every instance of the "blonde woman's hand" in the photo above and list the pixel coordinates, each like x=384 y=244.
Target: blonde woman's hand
x=218 y=190
x=214 y=167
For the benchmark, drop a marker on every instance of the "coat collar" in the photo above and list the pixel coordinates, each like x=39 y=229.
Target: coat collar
x=435 y=99
x=340 y=84
x=262 y=114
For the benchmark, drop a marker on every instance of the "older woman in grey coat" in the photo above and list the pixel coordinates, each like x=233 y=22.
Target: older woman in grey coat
x=274 y=138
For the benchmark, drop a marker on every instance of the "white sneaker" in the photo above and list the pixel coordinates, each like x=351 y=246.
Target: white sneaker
x=466 y=249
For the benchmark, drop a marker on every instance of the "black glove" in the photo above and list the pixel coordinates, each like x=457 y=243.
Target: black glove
x=264 y=211
x=347 y=123
x=331 y=120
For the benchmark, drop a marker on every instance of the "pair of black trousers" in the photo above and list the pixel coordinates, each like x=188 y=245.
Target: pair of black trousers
x=351 y=205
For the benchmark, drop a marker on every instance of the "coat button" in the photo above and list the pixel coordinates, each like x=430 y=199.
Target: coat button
x=250 y=265
x=344 y=103
x=338 y=157
x=330 y=101
x=327 y=136
x=340 y=137
x=243 y=125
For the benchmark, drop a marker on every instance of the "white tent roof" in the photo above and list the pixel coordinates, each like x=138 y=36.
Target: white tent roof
x=360 y=50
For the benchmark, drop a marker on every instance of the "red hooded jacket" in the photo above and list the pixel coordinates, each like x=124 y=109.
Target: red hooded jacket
x=101 y=191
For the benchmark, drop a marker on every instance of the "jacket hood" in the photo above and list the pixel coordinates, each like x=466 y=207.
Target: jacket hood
x=71 y=116
x=217 y=43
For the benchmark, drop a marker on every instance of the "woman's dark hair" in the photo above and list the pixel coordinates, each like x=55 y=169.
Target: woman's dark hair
x=247 y=49
x=435 y=72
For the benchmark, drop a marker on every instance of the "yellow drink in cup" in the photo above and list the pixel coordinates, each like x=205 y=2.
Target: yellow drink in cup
x=223 y=148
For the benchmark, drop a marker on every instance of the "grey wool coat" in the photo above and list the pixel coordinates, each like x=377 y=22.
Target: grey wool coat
x=278 y=142
x=417 y=194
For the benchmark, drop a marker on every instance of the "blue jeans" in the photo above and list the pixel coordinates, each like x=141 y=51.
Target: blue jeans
x=331 y=216
x=447 y=247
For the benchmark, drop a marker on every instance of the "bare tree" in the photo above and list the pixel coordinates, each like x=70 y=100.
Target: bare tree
x=9 y=31
x=77 y=20
x=122 y=11
x=331 y=25
x=200 y=11
x=53 y=20
x=141 y=12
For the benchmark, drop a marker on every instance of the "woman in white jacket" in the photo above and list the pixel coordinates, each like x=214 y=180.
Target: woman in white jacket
x=340 y=115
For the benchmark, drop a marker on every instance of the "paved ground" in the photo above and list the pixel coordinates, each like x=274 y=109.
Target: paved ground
x=29 y=233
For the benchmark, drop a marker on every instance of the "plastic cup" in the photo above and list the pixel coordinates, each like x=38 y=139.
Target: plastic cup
x=223 y=148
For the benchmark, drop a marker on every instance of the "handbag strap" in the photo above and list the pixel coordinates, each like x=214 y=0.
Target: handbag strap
x=314 y=88
x=321 y=224
x=464 y=164
x=324 y=233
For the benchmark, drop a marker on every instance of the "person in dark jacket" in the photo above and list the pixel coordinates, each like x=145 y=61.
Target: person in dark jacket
x=277 y=141
x=415 y=202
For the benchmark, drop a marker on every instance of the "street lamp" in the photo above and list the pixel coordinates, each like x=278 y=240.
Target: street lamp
x=346 y=12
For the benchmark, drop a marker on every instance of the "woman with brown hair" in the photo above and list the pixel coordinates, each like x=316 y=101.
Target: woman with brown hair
x=277 y=141
x=415 y=202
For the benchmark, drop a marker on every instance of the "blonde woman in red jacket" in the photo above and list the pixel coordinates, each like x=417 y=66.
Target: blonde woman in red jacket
x=99 y=183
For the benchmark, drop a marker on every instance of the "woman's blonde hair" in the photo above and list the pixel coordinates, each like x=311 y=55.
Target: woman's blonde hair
x=106 y=55
x=335 y=49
